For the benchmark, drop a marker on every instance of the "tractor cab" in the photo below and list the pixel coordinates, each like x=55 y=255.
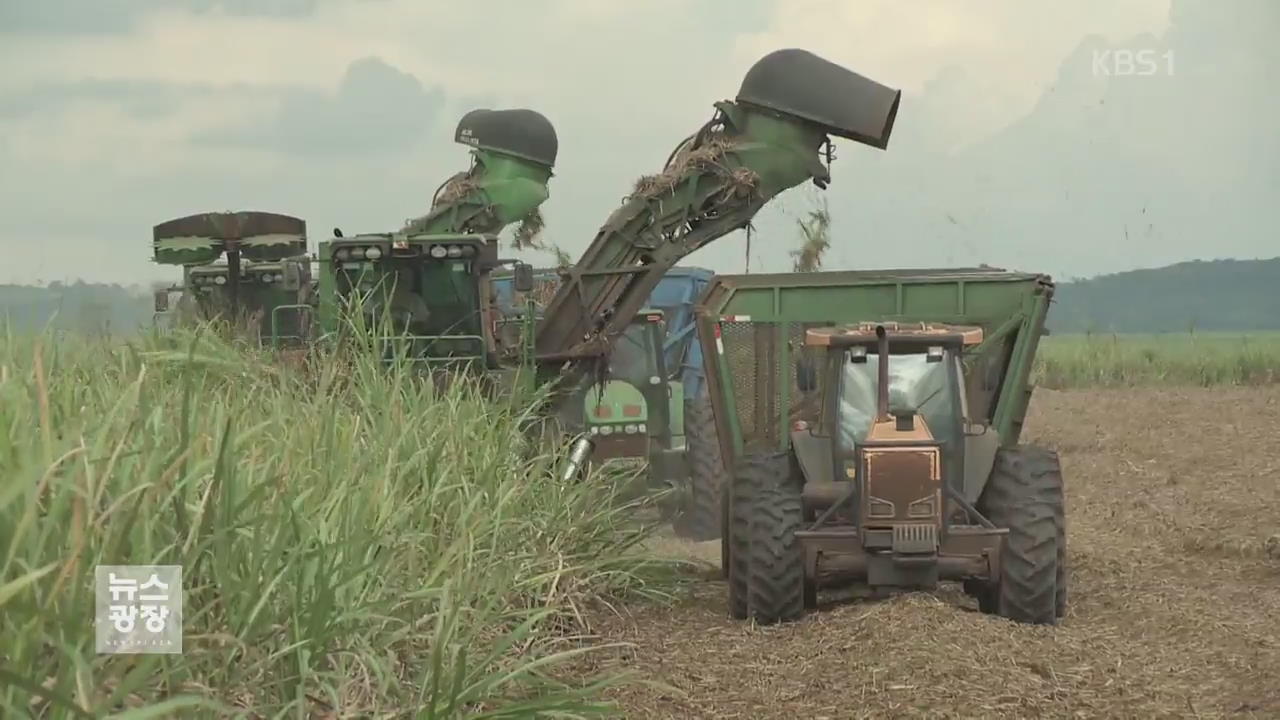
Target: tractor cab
x=628 y=408
x=892 y=436
x=897 y=387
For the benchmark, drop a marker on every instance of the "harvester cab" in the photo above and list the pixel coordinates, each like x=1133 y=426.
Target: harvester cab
x=282 y=292
x=426 y=288
x=421 y=293
x=276 y=296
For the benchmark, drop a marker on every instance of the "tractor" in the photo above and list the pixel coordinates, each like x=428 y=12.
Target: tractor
x=873 y=444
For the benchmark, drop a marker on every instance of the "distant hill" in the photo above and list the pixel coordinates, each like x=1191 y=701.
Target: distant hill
x=1235 y=295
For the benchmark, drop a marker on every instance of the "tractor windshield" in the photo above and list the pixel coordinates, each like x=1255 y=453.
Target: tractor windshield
x=913 y=382
x=634 y=356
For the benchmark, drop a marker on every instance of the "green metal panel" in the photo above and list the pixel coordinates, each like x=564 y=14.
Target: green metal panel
x=612 y=396
x=752 y=325
x=499 y=190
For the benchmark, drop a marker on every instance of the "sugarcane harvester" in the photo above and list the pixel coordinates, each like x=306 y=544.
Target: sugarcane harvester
x=774 y=136
x=434 y=272
x=266 y=271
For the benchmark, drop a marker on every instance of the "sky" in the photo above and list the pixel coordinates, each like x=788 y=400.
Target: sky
x=1020 y=141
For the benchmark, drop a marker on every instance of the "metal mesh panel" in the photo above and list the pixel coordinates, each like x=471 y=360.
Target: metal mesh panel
x=741 y=360
x=804 y=404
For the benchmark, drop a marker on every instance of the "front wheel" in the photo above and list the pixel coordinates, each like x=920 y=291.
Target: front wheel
x=778 y=589
x=1024 y=494
x=703 y=515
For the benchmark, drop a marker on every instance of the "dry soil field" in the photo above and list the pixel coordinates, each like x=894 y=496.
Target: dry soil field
x=1174 y=535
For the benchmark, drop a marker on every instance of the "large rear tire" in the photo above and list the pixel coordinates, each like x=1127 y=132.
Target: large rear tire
x=726 y=533
x=1024 y=494
x=778 y=592
x=736 y=550
x=1060 y=599
x=701 y=519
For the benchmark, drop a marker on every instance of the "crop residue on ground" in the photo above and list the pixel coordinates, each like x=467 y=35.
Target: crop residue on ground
x=1174 y=534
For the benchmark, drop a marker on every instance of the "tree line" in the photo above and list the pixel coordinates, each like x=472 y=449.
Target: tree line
x=1210 y=295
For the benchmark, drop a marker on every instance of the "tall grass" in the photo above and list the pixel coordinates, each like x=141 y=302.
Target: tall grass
x=1187 y=359
x=354 y=542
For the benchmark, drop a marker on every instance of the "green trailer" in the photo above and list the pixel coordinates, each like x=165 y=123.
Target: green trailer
x=811 y=379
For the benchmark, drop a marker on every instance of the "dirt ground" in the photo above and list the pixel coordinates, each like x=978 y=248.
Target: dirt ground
x=1174 y=535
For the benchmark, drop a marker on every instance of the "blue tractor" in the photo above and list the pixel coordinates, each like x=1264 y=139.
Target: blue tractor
x=697 y=464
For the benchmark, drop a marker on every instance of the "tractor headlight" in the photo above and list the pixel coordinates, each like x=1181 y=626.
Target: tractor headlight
x=642 y=427
x=372 y=253
x=341 y=254
x=455 y=251
x=631 y=429
x=220 y=280
x=595 y=429
x=606 y=429
x=439 y=251
x=268 y=277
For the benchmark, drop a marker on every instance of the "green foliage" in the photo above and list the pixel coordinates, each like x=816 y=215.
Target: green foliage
x=1186 y=359
x=355 y=541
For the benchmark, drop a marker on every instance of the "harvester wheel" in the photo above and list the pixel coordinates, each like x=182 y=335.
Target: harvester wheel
x=701 y=519
x=1060 y=600
x=726 y=532
x=1024 y=494
x=777 y=586
x=736 y=547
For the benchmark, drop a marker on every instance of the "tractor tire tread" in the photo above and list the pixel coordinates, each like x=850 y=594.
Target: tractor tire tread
x=701 y=517
x=1024 y=494
x=737 y=538
x=777 y=578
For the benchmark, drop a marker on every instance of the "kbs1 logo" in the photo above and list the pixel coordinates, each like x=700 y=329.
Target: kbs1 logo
x=138 y=609
x=1129 y=62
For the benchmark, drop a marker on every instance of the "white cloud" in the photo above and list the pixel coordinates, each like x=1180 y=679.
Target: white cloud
x=622 y=83
x=1004 y=53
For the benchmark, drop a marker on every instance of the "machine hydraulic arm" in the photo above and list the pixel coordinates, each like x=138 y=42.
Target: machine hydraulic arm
x=773 y=136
